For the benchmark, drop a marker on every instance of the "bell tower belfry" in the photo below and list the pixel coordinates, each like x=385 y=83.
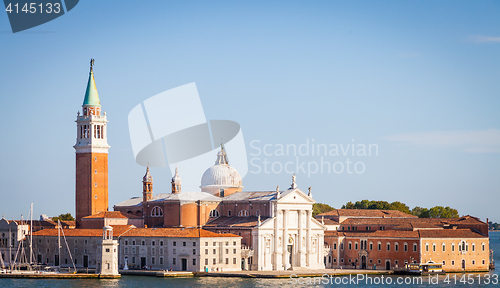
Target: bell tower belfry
x=91 y=150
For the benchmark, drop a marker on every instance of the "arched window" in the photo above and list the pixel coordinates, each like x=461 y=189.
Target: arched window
x=214 y=213
x=156 y=212
x=243 y=213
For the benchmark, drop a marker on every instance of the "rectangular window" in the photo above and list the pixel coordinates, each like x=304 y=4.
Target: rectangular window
x=183 y=243
x=452 y=262
x=174 y=251
x=133 y=242
x=214 y=261
x=173 y=261
x=342 y=246
x=433 y=247
x=227 y=251
x=194 y=261
x=214 y=244
x=371 y=246
x=214 y=252
x=206 y=251
x=334 y=246
x=194 y=251
x=133 y=259
x=444 y=247
x=194 y=244
x=126 y=250
x=234 y=260
x=153 y=250
x=415 y=247
x=161 y=243
x=473 y=248
x=161 y=251
x=234 y=243
x=206 y=261
x=153 y=243
x=426 y=247
x=175 y=243
x=234 y=251
x=126 y=242
x=133 y=250
x=152 y=260
x=206 y=243
x=227 y=261
x=161 y=260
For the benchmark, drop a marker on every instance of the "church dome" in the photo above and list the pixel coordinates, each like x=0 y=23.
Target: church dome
x=221 y=175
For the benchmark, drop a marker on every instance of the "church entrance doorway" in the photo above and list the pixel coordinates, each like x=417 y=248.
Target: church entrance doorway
x=289 y=249
x=387 y=265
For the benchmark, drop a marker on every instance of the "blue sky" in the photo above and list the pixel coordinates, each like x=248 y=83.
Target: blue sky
x=419 y=79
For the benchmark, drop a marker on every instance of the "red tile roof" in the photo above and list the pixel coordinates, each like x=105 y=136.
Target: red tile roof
x=366 y=213
x=174 y=232
x=450 y=233
x=112 y=214
x=117 y=230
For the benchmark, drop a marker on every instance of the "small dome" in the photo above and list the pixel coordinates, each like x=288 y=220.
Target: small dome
x=176 y=179
x=107 y=228
x=147 y=177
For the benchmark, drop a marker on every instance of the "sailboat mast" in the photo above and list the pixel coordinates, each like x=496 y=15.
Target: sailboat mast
x=59 y=241
x=31 y=234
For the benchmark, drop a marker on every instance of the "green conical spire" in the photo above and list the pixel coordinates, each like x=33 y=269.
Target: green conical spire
x=91 y=96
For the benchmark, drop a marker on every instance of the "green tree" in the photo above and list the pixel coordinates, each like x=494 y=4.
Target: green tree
x=319 y=208
x=64 y=217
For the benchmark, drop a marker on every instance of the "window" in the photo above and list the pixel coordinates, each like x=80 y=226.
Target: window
x=473 y=262
x=194 y=261
x=161 y=260
x=473 y=247
x=405 y=247
x=371 y=246
x=243 y=213
x=227 y=261
x=76 y=250
x=342 y=260
x=227 y=251
x=234 y=260
x=379 y=246
x=143 y=242
x=444 y=262
x=356 y=246
x=206 y=243
x=388 y=246
x=161 y=243
x=107 y=250
x=85 y=241
x=214 y=244
x=126 y=242
x=133 y=242
x=76 y=241
x=433 y=247
x=342 y=246
x=173 y=261
x=483 y=262
x=194 y=244
x=482 y=247
x=156 y=212
x=234 y=243
x=444 y=247
x=452 y=262
x=229 y=213
x=426 y=247
x=153 y=260
x=396 y=247
x=214 y=261
x=175 y=243
x=452 y=247
x=174 y=251
x=183 y=243
x=350 y=245
x=214 y=252
x=334 y=246
x=257 y=213
x=206 y=261
x=95 y=171
x=194 y=251
x=153 y=250
x=161 y=251
x=214 y=213
x=234 y=251
x=379 y=261
x=206 y=251
x=153 y=243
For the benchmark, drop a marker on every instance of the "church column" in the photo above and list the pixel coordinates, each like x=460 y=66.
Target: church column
x=301 y=235
x=308 y=238
x=286 y=255
x=276 y=238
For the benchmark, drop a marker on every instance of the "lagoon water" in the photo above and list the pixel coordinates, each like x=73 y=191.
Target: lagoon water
x=144 y=281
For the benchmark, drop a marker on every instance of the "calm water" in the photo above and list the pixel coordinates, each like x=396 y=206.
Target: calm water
x=136 y=281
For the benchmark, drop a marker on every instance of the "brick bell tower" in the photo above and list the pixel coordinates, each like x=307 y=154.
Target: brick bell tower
x=91 y=155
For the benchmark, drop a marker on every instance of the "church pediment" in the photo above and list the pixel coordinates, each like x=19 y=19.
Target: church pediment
x=295 y=196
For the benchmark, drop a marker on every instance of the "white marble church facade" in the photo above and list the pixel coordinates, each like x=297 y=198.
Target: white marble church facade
x=290 y=239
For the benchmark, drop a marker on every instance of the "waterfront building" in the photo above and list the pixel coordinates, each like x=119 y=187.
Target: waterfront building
x=387 y=240
x=107 y=264
x=12 y=236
